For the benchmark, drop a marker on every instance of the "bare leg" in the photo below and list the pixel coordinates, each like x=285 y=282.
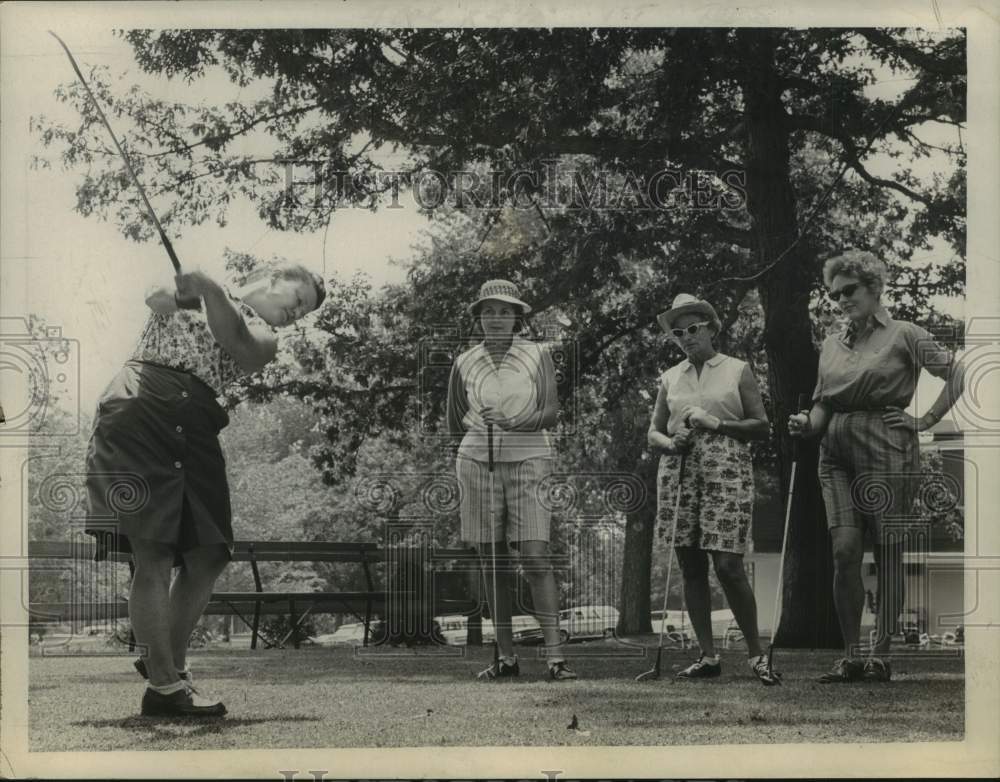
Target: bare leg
x=891 y=592
x=848 y=588
x=149 y=608
x=739 y=594
x=501 y=612
x=697 y=595
x=544 y=593
x=190 y=593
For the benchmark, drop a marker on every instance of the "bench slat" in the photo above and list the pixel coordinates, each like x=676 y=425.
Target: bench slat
x=268 y=551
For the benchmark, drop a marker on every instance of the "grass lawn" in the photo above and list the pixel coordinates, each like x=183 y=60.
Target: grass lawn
x=331 y=697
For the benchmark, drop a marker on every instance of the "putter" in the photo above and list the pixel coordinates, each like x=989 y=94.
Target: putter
x=493 y=556
x=654 y=672
x=802 y=403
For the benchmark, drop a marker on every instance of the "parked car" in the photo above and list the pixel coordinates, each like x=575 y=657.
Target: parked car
x=453 y=628
x=525 y=628
x=587 y=622
x=733 y=635
x=346 y=635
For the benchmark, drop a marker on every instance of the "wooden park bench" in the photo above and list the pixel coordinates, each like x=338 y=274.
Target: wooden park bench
x=375 y=599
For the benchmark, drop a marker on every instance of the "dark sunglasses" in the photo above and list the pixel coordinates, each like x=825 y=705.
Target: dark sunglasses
x=847 y=290
x=692 y=329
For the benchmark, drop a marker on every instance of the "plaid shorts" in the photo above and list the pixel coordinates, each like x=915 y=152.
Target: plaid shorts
x=515 y=500
x=717 y=493
x=868 y=470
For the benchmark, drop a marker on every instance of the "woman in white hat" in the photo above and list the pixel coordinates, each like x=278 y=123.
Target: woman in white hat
x=509 y=383
x=709 y=407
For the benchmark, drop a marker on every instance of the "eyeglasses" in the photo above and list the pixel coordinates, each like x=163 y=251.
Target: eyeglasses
x=847 y=290
x=692 y=329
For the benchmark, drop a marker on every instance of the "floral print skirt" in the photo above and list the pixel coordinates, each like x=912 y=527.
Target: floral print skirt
x=716 y=494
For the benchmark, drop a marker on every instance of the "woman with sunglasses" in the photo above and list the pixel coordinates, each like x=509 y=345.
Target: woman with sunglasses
x=869 y=464
x=709 y=408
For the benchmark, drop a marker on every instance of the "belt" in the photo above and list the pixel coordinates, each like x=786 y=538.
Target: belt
x=861 y=409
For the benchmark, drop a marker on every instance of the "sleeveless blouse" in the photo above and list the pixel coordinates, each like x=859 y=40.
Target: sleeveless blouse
x=717 y=390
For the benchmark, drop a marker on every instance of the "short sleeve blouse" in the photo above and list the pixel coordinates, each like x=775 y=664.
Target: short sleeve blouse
x=877 y=365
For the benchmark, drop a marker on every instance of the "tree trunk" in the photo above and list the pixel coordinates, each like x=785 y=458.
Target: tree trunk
x=808 y=617
x=634 y=610
x=629 y=421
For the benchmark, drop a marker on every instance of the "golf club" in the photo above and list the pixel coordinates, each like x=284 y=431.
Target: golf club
x=183 y=303
x=801 y=406
x=654 y=672
x=493 y=558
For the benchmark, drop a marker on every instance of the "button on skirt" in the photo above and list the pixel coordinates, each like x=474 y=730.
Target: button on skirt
x=155 y=469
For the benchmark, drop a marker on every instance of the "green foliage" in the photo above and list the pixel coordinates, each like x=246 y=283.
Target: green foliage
x=938 y=503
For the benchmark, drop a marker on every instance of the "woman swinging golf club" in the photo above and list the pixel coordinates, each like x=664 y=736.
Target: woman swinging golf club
x=158 y=421
x=867 y=377
x=506 y=386
x=708 y=406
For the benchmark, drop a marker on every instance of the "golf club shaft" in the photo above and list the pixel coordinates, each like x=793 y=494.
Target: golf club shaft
x=801 y=402
x=670 y=553
x=493 y=550
x=128 y=165
x=784 y=544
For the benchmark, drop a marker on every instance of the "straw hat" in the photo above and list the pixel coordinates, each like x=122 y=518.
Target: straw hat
x=686 y=304
x=502 y=290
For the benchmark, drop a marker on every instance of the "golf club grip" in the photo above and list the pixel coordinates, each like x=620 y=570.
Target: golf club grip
x=801 y=403
x=489 y=445
x=170 y=251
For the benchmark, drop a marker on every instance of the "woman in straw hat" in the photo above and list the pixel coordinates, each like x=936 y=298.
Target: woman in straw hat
x=509 y=383
x=708 y=407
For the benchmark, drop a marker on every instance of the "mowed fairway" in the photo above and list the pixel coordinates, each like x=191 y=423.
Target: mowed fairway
x=333 y=697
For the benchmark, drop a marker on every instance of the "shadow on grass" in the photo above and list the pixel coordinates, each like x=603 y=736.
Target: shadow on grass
x=160 y=727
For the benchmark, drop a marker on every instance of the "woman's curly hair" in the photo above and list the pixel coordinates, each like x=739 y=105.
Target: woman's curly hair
x=862 y=264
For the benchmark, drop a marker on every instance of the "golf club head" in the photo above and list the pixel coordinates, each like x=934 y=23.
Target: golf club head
x=654 y=672
x=774 y=676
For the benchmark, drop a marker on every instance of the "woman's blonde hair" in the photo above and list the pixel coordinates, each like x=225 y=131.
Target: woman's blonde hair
x=857 y=263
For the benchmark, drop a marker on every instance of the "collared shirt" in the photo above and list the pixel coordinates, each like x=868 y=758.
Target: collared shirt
x=182 y=340
x=515 y=386
x=716 y=390
x=877 y=364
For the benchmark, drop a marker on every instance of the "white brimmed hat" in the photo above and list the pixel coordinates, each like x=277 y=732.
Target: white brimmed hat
x=503 y=290
x=686 y=304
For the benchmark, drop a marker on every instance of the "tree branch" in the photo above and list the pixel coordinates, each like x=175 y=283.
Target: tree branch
x=852 y=156
x=914 y=55
x=229 y=136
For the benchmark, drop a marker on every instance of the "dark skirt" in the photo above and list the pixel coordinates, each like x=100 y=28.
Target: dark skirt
x=155 y=470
